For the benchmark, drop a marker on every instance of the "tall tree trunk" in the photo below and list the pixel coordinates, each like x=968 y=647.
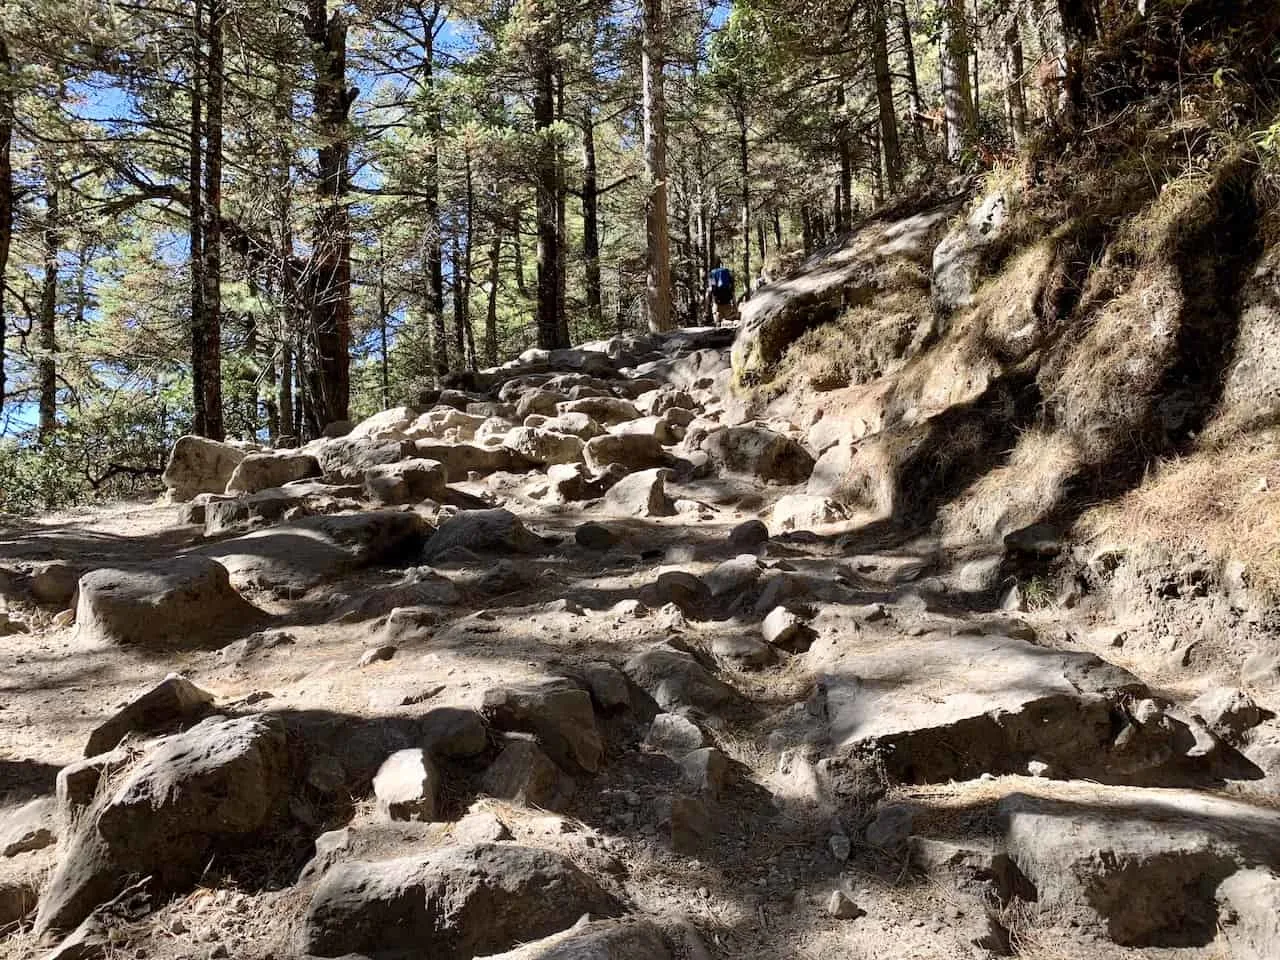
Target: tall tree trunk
x=1015 y=102
x=330 y=300
x=6 y=187
x=459 y=304
x=549 y=265
x=591 y=223
x=491 y=308
x=47 y=370
x=383 y=311
x=975 y=41
x=468 y=243
x=517 y=248
x=271 y=403
x=777 y=230
x=1079 y=29
x=211 y=328
x=657 y=239
x=744 y=177
x=913 y=80
x=195 y=167
x=431 y=188
x=884 y=97
x=561 y=227
x=957 y=100
x=845 y=206
x=435 y=253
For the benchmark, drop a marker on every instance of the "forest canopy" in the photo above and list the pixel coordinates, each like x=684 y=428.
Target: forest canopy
x=251 y=220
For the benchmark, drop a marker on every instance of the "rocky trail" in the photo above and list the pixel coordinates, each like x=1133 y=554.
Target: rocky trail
x=577 y=662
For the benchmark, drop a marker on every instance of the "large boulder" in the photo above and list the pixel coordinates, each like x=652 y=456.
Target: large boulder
x=1151 y=868
x=910 y=699
x=408 y=481
x=174 y=700
x=260 y=471
x=461 y=459
x=524 y=774
x=455 y=903
x=197 y=465
x=294 y=557
x=221 y=781
x=224 y=514
x=659 y=428
x=389 y=424
x=961 y=258
x=633 y=451
x=348 y=459
x=445 y=423
x=832 y=282
x=805 y=511
x=604 y=410
x=482 y=531
x=641 y=494
x=577 y=424
x=558 y=713
x=573 y=481
x=676 y=680
x=542 y=446
x=758 y=452
x=539 y=402
x=655 y=403
x=184 y=601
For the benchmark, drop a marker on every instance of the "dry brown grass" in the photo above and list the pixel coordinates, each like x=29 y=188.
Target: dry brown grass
x=1027 y=488
x=1224 y=502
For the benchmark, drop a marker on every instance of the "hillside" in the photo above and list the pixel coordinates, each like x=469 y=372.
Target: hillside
x=463 y=660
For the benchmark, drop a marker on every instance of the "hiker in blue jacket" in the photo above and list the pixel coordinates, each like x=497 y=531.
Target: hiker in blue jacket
x=720 y=294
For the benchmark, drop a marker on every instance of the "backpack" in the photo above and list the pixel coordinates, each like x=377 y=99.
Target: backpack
x=722 y=285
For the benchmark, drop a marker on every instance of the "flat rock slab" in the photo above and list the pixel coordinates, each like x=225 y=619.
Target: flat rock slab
x=1149 y=866
x=299 y=556
x=452 y=904
x=1142 y=867
x=942 y=706
x=183 y=601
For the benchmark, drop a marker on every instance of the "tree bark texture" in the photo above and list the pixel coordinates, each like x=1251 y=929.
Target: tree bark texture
x=658 y=243
x=330 y=273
